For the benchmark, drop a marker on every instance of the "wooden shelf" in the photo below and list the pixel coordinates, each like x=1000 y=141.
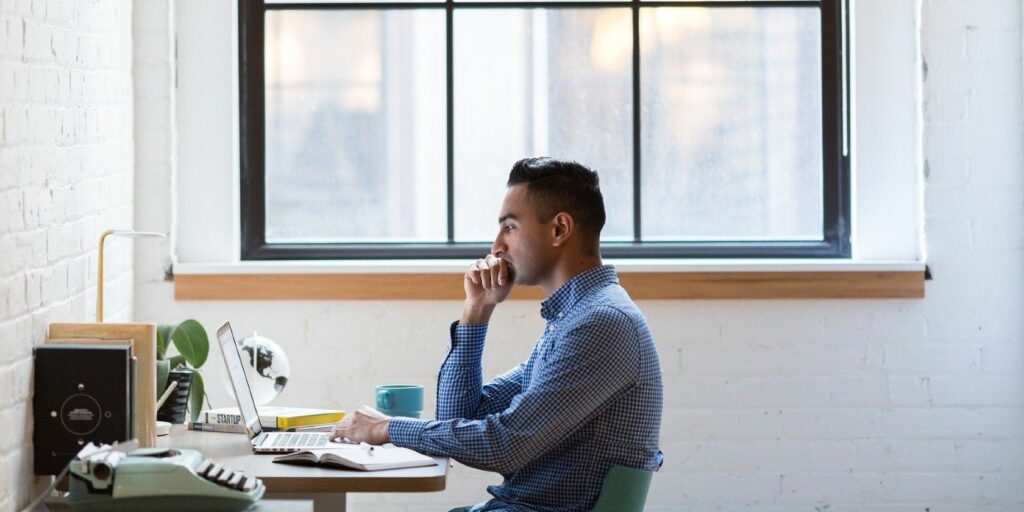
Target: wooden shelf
x=640 y=285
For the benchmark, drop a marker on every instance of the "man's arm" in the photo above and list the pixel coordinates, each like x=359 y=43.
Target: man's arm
x=487 y=282
x=593 y=364
x=460 y=393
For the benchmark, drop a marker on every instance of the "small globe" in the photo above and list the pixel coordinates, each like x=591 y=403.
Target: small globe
x=266 y=367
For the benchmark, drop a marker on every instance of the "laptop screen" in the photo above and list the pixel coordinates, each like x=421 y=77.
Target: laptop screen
x=239 y=382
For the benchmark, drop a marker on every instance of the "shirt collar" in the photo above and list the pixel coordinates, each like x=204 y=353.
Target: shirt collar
x=574 y=289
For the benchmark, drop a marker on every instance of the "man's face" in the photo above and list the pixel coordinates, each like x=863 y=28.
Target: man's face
x=523 y=241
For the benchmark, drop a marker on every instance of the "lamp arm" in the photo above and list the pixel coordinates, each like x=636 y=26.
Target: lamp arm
x=99 y=279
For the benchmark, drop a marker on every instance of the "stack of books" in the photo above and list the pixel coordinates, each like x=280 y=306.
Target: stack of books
x=274 y=418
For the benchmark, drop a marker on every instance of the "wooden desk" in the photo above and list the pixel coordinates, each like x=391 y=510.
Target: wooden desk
x=325 y=486
x=264 y=505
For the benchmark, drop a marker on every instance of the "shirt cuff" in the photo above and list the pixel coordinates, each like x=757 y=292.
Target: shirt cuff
x=467 y=342
x=406 y=432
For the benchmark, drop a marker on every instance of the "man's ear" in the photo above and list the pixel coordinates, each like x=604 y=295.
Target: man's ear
x=562 y=227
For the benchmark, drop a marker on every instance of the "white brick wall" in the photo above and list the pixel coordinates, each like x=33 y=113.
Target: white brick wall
x=65 y=175
x=841 y=405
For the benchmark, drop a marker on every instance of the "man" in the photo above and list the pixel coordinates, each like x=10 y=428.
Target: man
x=590 y=395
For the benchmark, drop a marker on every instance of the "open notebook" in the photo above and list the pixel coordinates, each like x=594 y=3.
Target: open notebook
x=361 y=457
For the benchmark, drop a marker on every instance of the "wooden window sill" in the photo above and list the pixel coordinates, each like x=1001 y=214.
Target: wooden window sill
x=311 y=282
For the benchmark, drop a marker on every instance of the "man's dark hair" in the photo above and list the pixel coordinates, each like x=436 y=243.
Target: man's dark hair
x=562 y=186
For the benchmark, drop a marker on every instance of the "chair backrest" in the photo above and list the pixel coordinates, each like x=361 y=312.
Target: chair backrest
x=624 y=490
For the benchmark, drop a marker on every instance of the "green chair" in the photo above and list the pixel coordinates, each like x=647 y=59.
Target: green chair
x=624 y=490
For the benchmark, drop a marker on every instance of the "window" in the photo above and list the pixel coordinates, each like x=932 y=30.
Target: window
x=387 y=129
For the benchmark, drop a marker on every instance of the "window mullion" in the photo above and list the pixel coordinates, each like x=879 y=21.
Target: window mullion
x=450 y=79
x=636 y=122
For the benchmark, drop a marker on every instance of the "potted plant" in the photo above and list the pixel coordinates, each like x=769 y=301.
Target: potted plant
x=193 y=346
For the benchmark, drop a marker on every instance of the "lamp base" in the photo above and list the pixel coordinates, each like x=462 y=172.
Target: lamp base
x=163 y=428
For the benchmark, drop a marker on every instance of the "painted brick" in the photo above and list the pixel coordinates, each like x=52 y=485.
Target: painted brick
x=17 y=375
x=883 y=455
x=17 y=419
x=948 y=107
x=17 y=303
x=952 y=422
x=760 y=313
x=14 y=331
x=824 y=359
x=717 y=489
x=1003 y=359
x=977 y=390
x=940 y=488
x=65 y=116
x=1002 y=167
x=930 y=358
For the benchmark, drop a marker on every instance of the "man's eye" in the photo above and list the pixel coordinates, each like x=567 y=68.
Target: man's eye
x=508 y=228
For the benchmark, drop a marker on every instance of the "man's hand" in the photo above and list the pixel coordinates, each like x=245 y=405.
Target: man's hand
x=487 y=283
x=366 y=425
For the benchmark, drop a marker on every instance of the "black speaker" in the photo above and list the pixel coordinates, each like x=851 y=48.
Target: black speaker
x=82 y=394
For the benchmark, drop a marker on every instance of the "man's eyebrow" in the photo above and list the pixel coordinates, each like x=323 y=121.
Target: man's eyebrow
x=507 y=216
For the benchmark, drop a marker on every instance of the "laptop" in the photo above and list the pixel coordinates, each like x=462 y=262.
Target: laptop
x=262 y=442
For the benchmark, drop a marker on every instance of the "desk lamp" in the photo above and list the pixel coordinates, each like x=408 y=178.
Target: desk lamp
x=123 y=233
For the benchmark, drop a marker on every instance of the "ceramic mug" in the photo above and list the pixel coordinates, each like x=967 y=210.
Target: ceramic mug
x=400 y=399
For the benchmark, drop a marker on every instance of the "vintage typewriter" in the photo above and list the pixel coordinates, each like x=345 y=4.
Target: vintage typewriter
x=156 y=480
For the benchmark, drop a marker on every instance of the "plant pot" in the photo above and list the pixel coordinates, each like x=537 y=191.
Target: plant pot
x=174 y=408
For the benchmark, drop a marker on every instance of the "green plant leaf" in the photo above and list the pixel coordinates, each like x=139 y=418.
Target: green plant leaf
x=163 y=369
x=163 y=333
x=176 y=361
x=195 y=396
x=189 y=337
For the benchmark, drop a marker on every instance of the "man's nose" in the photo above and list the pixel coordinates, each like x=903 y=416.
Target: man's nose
x=498 y=247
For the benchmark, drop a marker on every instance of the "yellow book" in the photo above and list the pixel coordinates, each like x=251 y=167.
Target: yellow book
x=302 y=420
x=275 y=417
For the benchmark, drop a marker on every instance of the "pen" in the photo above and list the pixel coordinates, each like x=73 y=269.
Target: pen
x=368 y=448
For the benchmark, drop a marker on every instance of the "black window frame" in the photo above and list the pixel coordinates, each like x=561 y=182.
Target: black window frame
x=835 y=140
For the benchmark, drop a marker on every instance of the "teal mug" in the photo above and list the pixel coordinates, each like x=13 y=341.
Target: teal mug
x=400 y=399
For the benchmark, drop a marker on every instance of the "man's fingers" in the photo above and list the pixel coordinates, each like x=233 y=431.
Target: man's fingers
x=493 y=271
x=496 y=273
x=502 y=273
x=485 y=279
x=342 y=429
x=484 y=273
x=476 y=270
x=489 y=272
x=337 y=434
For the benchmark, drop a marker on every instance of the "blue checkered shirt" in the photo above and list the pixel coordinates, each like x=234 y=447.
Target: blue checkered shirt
x=588 y=398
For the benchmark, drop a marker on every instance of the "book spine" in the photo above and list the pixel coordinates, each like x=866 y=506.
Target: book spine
x=233 y=418
x=313 y=419
x=205 y=427
x=222 y=418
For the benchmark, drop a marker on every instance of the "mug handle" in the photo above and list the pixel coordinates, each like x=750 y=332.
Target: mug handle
x=384 y=399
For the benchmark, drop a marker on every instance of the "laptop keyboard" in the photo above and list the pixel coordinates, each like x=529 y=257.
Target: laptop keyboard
x=289 y=440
